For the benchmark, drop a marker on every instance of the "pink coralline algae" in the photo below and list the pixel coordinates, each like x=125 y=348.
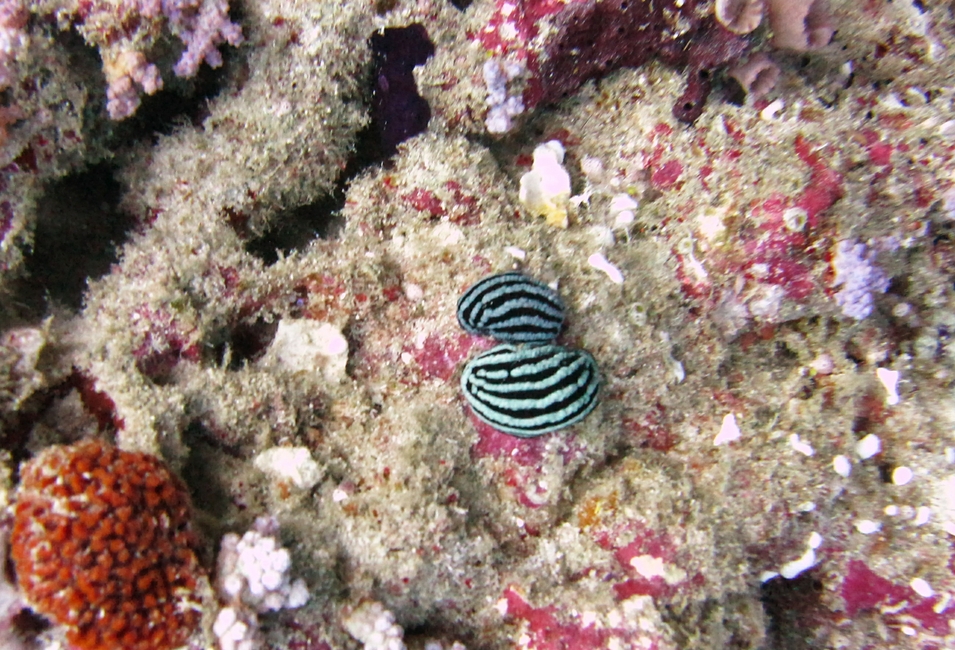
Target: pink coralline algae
x=560 y=45
x=438 y=358
x=863 y=589
x=164 y=343
x=592 y=39
x=550 y=628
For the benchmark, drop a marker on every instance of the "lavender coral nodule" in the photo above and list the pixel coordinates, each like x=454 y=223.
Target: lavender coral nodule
x=859 y=277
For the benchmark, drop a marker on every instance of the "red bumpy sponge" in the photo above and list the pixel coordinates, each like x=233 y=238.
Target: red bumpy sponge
x=102 y=544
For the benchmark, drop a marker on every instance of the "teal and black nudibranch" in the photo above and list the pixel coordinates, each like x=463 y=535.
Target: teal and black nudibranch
x=512 y=307
x=535 y=387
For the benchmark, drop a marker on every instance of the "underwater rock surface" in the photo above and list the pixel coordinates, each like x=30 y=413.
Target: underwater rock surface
x=767 y=289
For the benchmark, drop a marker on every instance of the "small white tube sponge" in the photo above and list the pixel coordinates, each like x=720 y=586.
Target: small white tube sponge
x=545 y=189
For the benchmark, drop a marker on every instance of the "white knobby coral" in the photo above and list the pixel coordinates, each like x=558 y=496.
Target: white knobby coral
x=374 y=626
x=254 y=570
x=236 y=629
x=290 y=465
x=304 y=346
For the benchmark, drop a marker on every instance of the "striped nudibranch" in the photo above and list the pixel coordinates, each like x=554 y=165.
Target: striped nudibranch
x=512 y=307
x=531 y=390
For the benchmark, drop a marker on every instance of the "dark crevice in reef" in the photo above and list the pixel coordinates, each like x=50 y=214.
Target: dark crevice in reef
x=596 y=38
x=244 y=342
x=295 y=228
x=791 y=606
x=398 y=113
x=180 y=102
x=206 y=475
x=78 y=230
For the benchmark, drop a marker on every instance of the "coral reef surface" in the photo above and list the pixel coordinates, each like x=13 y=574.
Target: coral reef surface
x=232 y=241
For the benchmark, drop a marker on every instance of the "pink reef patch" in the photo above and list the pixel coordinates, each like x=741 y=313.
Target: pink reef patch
x=667 y=175
x=863 y=589
x=651 y=431
x=492 y=443
x=424 y=201
x=550 y=628
x=632 y=540
x=547 y=632
x=649 y=544
x=825 y=184
x=774 y=254
x=880 y=152
x=439 y=357
x=164 y=344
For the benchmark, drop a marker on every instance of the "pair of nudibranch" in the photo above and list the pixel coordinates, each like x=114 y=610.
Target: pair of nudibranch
x=528 y=385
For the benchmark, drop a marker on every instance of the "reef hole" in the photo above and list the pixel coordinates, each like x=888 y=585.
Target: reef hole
x=244 y=343
x=792 y=607
x=294 y=229
x=78 y=230
x=398 y=111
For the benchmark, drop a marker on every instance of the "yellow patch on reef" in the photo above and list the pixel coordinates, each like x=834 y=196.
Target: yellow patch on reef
x=592 y=511
x=556 y=215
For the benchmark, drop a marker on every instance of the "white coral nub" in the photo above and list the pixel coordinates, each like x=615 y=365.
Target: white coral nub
x=291 y=465
x=233 y=632
x=302 y=346
x=503 y=105
x=859 y=277
x=545 y=189
x=374 y=626
x=253 y=570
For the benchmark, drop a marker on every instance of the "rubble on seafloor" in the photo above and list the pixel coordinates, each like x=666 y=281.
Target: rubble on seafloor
x=215 y=256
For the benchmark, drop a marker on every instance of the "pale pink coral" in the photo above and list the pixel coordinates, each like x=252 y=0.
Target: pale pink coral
x=13 y=20
x=125 y=31
x=124 y=72
x=800 y=25
x=202 y=25
x=757 y=75
x=739 y=16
